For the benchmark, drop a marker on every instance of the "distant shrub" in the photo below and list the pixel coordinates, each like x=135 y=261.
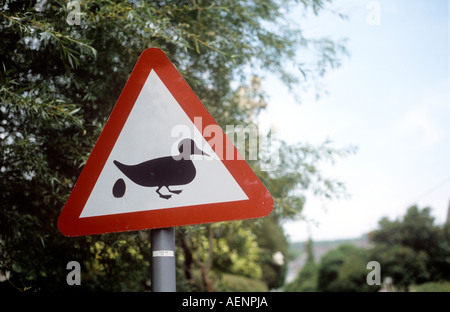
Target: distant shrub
x=433 y=287
x=237 y=283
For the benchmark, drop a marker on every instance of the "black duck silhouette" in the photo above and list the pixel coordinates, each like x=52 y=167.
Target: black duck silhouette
x=161 y=172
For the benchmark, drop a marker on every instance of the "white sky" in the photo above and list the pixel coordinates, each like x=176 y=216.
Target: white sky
x=391 y=99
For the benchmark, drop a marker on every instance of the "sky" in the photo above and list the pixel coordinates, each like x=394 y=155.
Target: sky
x=390 y=98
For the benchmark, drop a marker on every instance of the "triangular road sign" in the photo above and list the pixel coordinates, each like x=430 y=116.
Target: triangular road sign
x=153 y=165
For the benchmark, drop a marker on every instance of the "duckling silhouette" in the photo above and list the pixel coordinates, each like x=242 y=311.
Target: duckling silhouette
x=161 y=172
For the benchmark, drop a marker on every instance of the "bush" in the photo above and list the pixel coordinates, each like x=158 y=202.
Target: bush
x=237 y=283
x=344 y=269
x=306 y=280
x=432 y=287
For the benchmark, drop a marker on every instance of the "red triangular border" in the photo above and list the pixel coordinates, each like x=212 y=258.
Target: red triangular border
x=259 y=204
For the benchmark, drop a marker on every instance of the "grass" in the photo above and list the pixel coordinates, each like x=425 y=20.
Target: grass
x=432 y=287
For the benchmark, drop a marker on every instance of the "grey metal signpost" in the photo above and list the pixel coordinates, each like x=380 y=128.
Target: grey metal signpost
x=163 y=259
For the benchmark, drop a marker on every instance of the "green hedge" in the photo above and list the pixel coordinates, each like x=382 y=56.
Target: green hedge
x=432 y=287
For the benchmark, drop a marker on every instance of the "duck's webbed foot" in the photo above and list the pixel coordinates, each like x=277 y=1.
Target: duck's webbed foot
x=162 y=195
x=174 y=191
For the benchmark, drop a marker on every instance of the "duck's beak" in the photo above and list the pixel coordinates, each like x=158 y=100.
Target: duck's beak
x=199 y=151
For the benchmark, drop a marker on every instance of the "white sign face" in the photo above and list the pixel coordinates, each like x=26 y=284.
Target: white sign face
x=148 y=135
x=159 y=162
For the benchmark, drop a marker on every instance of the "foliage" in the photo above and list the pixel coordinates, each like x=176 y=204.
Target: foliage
x=58 y=84
x=432 y=287
x=298 y=171
x=413 y=250
x=416 y=230
x=306 y=280
x=224 y=247
x=237 y=283
x=403 y=264
x=272 y=240
x=344 y=269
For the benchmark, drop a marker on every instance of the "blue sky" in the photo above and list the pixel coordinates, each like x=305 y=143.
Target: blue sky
x=391 y=99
